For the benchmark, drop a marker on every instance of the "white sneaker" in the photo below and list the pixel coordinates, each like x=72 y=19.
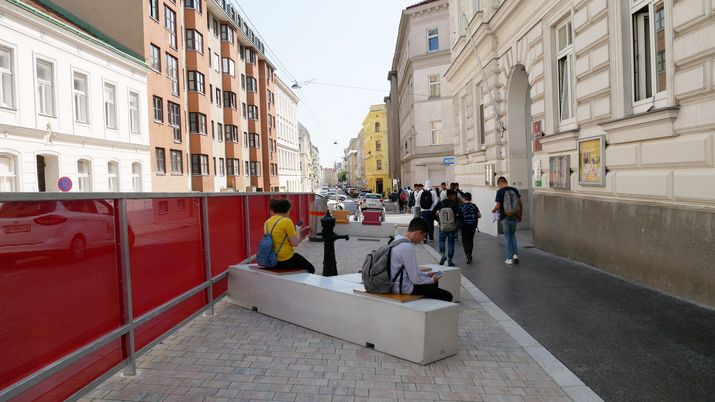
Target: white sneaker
x=509 y=261
x=515 y=258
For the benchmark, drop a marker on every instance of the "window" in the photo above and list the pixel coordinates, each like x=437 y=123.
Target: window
x=231 y=133
x=434 y=90
x=245 y=168
x=199 y=165
x=81 y=101
x=220 y=131
x=432 y=39
x=170 y=25
x=378 y=146
x=254 y=140
x=233 y=167
x=45 y=88
x=250 y=56
x=218 y=97
x=84 y=175
x=177 y=162
x=196 y=82
x=243 y=81
x=214 y=26
x=136 y=177
x=378 y=164
x=113 y=176
x=481 y=134
x=155 y=58
x=377 y=127
x=7 y=81
x=134 y=113
x=217 y=62
x=244 y=109
x=229 y=67
x=8 y=177
x=172 y=71
x=229 y=100
x=194 y=41
x=154 y=9
x=252 y=112
x=245 y=139
x=226 y=33
x=255 y=169
x=564 y=59
x=158 y=109
x=197 y=123
x=160 y=160
x=195 y=4
x=221 y=168
x=175 y=120
x=110 y=106
x=649 y=62
x=251 y=84
x=436 y=131
x=211 y=93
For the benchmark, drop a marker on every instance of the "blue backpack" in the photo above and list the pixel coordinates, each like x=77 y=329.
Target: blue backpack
x=266 y=257
x=470 y=214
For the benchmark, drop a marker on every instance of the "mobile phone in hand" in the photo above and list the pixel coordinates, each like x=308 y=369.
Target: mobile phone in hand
x=300 y=223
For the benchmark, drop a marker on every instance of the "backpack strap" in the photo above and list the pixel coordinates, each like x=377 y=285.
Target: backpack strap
x=273 y=228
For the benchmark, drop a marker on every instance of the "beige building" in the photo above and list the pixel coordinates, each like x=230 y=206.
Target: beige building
x=420 y=101
x=310 y=171
x=354 y=162
x=600 y=113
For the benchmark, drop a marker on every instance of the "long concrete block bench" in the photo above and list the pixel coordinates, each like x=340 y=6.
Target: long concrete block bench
x=421 y=331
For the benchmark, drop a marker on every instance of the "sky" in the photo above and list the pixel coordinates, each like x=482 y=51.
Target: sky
x=335 y=42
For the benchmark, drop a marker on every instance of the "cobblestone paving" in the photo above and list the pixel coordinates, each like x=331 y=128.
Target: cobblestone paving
x=238 y=354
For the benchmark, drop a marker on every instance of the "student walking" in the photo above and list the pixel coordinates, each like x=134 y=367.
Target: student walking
x=470 y=222
x=509 y=206
x=428 y=200
x=447 y=212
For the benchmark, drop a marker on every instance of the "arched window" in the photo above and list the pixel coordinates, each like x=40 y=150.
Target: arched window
x=8 y=174
x=377 y=127
x=84 y=175
x=113 y=176
x=137 y=177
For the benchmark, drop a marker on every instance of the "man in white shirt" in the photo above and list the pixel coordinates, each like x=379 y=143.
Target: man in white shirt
x=412 y=280
x=426 y=212
x=416 y=199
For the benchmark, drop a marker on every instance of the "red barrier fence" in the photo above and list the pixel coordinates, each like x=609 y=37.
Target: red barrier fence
x=89 y=281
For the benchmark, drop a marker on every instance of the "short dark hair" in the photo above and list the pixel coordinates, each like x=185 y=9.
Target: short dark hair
x=467 y=196
x=451 y=192
x=502 y=179
x=418 y=225
x=456 y=184
x=279 y=205
x=443 y=183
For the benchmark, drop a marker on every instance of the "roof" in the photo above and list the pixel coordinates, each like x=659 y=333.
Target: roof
x=57 y=15
x=421 y=3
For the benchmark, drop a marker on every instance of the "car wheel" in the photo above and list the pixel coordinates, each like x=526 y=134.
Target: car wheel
x=78 y=248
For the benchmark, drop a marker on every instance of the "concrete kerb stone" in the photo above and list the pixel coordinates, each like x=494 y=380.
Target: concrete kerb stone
x=561 y=375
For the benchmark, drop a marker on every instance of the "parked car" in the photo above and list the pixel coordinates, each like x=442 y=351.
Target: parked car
x=335 y=202
x=372 y=201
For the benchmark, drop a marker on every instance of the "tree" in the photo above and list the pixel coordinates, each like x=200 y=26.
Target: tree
x=342 y=176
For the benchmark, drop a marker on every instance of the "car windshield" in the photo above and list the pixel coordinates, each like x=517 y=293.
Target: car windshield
x=372 y=196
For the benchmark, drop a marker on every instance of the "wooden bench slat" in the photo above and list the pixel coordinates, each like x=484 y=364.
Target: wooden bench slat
x=390 y=296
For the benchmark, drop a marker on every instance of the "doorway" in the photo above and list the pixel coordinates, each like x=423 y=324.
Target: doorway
x=47 y=173
x=378 y=186
x=519 y=140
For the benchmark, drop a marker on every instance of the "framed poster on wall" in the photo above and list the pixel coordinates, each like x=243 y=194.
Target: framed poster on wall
x=560 y=172
x=591 y=161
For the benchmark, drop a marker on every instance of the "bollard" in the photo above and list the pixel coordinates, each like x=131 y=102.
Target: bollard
x=330 y=266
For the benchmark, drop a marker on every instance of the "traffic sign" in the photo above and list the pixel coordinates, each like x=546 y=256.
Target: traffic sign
x=449 y=160
x=64 y=184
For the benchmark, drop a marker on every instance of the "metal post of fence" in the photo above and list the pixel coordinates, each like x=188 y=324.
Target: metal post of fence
x=207 y=251
x=247 y=226
x=131 y=368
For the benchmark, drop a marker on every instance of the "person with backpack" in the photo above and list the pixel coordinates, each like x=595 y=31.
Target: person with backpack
x=284 y=237
x=415 y=200
x=470 y=221
x=428 y=200
x=447 y=212
x=393 y=268
x=403 y=200
x=509 y=206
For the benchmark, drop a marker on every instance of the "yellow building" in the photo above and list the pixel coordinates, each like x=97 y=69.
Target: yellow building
x=375 y=151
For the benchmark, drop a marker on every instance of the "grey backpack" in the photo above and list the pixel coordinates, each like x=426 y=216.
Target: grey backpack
x=511 y=203
x=376 y=275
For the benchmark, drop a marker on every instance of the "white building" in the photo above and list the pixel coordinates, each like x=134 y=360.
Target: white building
x=420 y=100
x=289 y=172
x=309 y=164
x=71 y=104
x=601 y=114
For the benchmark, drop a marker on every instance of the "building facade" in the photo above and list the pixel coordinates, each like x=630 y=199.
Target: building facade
x=354 y=164
x=420 y=99
x=376 y=158
x=72 y=104
x=289 y=171
x=597 y=111
x=307 y=172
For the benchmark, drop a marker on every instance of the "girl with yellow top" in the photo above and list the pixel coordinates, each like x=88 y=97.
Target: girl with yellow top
x=285 y=237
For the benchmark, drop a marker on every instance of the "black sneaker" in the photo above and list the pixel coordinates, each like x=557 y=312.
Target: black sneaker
x=469 y=259
x=516 y=259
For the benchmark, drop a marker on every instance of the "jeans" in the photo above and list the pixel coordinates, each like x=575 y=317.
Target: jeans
x=450 y=240
x=509 y=225
x=415 y=212
x=468 y=238
x=432 y=291
x=429 y=218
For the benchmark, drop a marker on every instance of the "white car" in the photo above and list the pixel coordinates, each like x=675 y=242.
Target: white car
x=335 y=202
x=373 y=202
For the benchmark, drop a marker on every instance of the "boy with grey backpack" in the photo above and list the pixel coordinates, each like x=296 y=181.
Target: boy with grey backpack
x=447 y=212
x=393 y=267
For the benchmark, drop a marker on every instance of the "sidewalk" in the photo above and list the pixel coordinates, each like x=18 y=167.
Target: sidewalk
x=238 y=354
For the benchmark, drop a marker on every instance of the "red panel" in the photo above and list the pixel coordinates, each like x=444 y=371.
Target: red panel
x=220 y=287
x=167 y=257
x=59 y=281
x=257 y=215
x=307 y=205
x=70 y=380
x=227 y=225
x=166 y=321
x=295 y=208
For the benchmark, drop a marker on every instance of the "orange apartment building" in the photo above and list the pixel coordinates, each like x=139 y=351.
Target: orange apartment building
x=212 y=123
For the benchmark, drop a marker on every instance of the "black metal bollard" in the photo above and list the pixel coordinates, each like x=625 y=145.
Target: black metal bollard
x=330 y=266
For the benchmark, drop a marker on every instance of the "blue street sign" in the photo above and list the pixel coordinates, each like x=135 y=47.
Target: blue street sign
x=448 y=160
x=64 y=184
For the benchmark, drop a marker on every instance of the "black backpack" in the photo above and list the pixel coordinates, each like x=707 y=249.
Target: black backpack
x=426 y=199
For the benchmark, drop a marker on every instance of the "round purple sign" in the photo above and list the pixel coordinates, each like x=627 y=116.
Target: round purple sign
x=64 y=184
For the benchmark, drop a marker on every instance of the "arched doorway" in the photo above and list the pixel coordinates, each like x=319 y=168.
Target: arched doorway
x=519 y=139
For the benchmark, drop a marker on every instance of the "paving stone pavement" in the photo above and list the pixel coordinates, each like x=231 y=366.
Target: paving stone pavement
x=238 y=354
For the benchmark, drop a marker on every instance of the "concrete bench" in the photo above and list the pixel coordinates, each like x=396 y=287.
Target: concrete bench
x=421 y=331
